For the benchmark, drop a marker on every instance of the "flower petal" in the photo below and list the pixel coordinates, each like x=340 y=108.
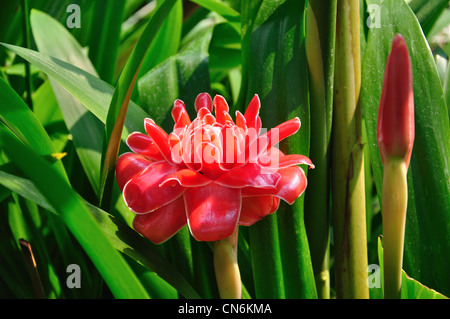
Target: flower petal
x=203 y=100
x=257 y=207
x=143 y=144
x=128 y=166
x=221 y=109
x=143 y=193
x=163 y=223
x=212 y=211
x=186 y=178
x=251 y=114
x=160 y=138
x=250 y=174
x=180 y=115
x=294 y=159
x=280 y=132
x=290 y=186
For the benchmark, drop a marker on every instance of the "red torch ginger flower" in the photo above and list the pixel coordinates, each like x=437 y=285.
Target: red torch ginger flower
x=211 y=173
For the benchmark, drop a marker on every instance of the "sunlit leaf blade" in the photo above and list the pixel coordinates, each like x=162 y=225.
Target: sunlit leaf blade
x=164 y=46
x=53 y=39
x=92 y=92
x=427 y=242
x=106 y=21
x=24 y=124
x=119 y=104
x=122 y=237
x=222 y=9
x=115 y=271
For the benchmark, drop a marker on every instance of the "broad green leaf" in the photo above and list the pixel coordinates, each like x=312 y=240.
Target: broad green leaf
x=182 y=76
x=222 y=9
x=24 y=124
x=106 y=20
x=117 y=110
x=225 y=51
x=115 y=271
x=53 y=39
x=411 y=288
x=92 y=92
x=428 y=12
x=45 y=106
x=121 y=236
x=442 y=22
x=427 y=241
x=164 y=46
x=277 y=72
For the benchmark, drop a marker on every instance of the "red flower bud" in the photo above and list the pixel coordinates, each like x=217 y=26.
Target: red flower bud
x=395 y=129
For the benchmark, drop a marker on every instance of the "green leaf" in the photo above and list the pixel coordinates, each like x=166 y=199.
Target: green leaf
x=92 y=92
x=320 y=47
x=427 y=243
x=121 y=236
x=106 y=20
x=115 y=271
x=24 y=124
x=53 y=39
x=222 y=9
x=276 y=70
x=182 y=76
x=119 y=104
x=411 y=288
x=428 y=12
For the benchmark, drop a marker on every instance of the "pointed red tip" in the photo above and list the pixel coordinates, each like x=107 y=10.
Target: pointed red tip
x=203 y=100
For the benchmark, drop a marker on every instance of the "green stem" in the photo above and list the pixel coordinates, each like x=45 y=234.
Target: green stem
x=266 y=259
x=320 y=39
x=395 y=198
x=27 y=44
x=349 y=215
x=226 y=267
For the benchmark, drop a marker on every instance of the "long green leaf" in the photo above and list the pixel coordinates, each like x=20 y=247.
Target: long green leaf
x=119 y=104
x=182 y=76
x=116 y=272
x=104 y=34
x=427 y=242
x=122 y=237
x=92 y=92
x=427 y=12
x=222 y=9
x=24 y=124
x=53 y=39
x=276 y=70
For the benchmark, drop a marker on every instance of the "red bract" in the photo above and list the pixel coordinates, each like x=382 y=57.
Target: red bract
x=396 y=114
x=211 y=173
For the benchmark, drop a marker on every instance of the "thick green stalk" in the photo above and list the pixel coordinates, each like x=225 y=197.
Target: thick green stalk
x=320 y=39
x=226 y=267
x=347 y=159
x=395 y=198
x=266 y=259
